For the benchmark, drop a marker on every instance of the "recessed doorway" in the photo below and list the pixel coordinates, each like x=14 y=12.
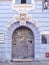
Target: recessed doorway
x=22 y=43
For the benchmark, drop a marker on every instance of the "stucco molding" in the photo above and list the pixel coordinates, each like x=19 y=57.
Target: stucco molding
x=22 y=18
x=23 y=7
x=45 y=32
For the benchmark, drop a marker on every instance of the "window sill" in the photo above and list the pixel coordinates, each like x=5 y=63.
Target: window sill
x=22 y=60
x=21 y=7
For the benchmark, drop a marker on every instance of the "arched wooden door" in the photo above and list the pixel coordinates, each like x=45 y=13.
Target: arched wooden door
x=22 y=43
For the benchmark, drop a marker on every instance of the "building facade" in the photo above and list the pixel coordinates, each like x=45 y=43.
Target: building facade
x=24 y=30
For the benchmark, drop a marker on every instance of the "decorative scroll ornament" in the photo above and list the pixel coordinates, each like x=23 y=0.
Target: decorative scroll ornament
x=22 y=18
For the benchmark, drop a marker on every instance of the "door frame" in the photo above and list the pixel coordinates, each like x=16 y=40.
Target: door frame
x=15 y=24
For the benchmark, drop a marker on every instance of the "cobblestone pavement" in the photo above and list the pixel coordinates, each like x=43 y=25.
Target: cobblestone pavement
x=27 y=63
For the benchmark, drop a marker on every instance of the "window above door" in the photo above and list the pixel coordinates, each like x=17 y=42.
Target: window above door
x=22 y=1
x=23 y=4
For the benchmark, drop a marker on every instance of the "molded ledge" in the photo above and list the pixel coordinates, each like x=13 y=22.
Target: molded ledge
x=23 y=7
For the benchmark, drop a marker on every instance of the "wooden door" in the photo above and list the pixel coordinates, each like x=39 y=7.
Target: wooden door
x=22 y=44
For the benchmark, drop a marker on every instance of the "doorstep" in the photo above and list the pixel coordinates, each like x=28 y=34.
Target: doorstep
x=22 y=60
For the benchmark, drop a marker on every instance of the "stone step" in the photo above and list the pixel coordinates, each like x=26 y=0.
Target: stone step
x=26 y=63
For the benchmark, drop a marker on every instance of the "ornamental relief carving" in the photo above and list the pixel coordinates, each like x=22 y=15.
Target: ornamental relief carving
x=22 y=18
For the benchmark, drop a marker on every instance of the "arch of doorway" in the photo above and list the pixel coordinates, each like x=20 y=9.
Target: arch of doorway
x=29 y=25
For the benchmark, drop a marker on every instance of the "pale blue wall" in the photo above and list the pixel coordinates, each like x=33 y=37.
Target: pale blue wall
x=6 y=14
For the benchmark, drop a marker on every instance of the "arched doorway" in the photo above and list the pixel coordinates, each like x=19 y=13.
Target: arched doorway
x=22 y=43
